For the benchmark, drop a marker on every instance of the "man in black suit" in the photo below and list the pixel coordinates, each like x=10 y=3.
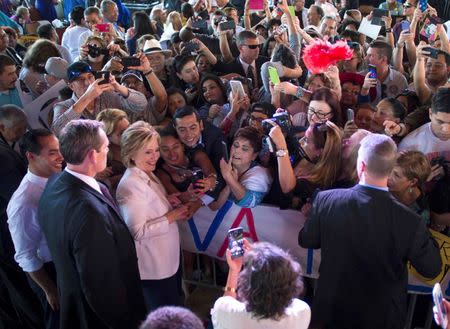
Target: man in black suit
x=19 y=307
x=366 y=239
x=93 y=251
x=248 y=63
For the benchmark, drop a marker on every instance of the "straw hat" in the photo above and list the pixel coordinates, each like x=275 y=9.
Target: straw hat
x=153 y=46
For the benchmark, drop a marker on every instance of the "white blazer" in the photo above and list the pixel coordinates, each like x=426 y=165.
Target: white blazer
x=143 y=204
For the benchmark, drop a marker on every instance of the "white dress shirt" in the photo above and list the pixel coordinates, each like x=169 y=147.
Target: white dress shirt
x=87 y=179
x=143 y=204
x=70 y=40
x=29 y=241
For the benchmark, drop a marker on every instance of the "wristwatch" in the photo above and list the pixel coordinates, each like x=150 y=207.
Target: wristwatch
x=281 y=153
x=299 y=92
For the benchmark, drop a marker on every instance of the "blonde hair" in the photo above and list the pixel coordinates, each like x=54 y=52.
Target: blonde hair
x=110 y=118
x=102 y=42
x=21 y=11
x=135 y=137
x=415 y=165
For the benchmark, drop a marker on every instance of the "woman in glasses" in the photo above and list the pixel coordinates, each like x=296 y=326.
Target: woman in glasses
x=319 y=165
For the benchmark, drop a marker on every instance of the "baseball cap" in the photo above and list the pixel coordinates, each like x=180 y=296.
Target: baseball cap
x=133 y=73
x=76 y=69
x=57 y=67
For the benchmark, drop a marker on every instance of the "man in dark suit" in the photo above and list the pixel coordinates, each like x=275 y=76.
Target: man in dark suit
x=93 y=251
x=19 y=307
x=248 y=63
x=366 y=239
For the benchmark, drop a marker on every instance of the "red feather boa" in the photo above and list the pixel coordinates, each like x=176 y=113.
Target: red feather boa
x=319 y=55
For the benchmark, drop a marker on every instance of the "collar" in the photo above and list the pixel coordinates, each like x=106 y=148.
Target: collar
x=374 y=187
x=140 y=173
x=390 y=76
x=245 y=65
x=33 y=178
x=87 y=179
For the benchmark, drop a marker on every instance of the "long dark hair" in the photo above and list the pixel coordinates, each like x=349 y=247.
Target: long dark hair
x=142 y=24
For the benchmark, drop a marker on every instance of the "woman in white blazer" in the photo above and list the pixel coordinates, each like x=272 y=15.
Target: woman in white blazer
x=150 y=216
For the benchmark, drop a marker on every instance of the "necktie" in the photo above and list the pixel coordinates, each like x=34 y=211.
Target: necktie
x=108 y=195
x=251 y=74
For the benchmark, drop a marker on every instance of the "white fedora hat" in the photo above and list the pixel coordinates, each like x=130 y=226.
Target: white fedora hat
x=153 y=46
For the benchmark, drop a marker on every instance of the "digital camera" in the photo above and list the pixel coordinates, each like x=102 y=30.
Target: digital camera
x=95 y=51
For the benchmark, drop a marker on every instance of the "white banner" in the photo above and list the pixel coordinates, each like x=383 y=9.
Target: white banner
x=207 y=231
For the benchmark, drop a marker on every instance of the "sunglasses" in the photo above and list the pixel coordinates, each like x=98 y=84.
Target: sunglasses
x=353 y=45
x=407 y=5
x=253 y=46
x=75 y=74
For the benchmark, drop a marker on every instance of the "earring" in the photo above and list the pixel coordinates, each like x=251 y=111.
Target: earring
x=410 y=190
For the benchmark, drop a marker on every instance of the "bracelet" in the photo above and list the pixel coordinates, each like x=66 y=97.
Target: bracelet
x=402 y=126
x=389 y=30
x=299 y=92
x=229 y=289
x=148 y=72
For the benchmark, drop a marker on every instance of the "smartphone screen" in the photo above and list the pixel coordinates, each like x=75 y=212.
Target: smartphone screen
x=405 y=25
x=423 y=5
x=236 y=242
x=273 y=74
x=226 y=157
x=373 y=71
x=438 y=300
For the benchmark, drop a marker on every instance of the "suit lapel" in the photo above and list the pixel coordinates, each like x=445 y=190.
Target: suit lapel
x=74 y=181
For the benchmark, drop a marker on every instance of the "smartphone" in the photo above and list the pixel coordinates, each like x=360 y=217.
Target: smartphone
x=103 y=27
x=197 y=174
x=405 y=25
x=130 y=61
x=273 y=74
x=433 y=52
x=350 y=115
x=282 y=28
x=200 y=24
x=435 y=20
x=438 y=300
x=256 y=5
x=292 y=11
x=373 y=71
x=226 y=157
x=237 y=88
x=105 y=75
x=377 y=14
x=228 y=25
x=423 y=5
x=236 y=242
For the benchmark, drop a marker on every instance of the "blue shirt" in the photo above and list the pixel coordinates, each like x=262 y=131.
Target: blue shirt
x=10 y=97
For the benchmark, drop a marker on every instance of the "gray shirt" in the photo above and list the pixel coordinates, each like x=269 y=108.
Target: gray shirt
x=64 y=113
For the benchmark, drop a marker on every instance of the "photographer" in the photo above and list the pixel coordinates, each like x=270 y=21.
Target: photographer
x=99 y=55
x=91 y=95
x=156 y=109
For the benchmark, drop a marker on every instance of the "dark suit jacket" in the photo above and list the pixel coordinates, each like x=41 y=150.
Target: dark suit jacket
x=94 y=256
x=235 y=66
x=366 y=238
x=12 y=169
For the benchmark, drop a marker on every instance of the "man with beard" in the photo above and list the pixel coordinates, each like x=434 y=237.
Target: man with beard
x=8 y=77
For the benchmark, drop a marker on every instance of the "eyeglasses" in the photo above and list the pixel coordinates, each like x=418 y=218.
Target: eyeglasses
x=353 y=92
x=319 y=115
x=407 y=5
x=76 y=74
x=353 y=45
x=253 y=46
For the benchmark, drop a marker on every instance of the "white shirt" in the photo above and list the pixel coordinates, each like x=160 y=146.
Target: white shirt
x=87 y=179
x=245 y=65
x=64 y=53
x=143 y=204
x=229 y=313
x=422 y=139
x=83 y=37
x=70 y=40
x=29 y=241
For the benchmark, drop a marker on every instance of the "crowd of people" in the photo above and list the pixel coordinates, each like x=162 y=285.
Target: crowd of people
x=118 y=127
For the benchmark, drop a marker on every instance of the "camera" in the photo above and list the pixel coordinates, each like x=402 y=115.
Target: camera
x=281 y=119
x=95 y=51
